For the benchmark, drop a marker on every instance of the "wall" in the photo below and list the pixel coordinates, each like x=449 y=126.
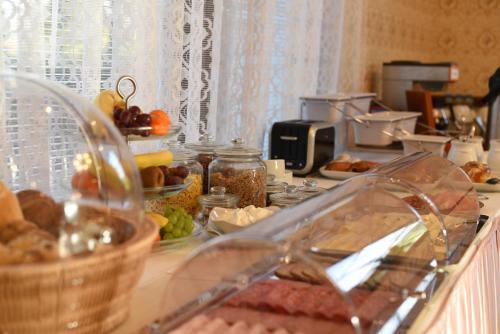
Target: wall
x=464 y=31
x=470 y=37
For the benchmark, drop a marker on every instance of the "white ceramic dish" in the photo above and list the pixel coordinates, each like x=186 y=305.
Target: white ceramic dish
x=382 y=128
x=336 y=175
x=377 y=130
x=424 y=143
x=227 y=227
x=487 y=188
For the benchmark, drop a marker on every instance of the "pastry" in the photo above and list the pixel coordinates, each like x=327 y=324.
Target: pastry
x=40 y=209
x=364 y=165
x=11 y=210
x=152 y=177
x=9 y=256
x=339 y=166
x=36 y=246
x=12 y=230
x=477 y=171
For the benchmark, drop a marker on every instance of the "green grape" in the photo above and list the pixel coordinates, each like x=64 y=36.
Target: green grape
x=172 y=220
x=189 y=228
x=169 y=227
x=167 y=236
x=177 y=233
x=168 y=211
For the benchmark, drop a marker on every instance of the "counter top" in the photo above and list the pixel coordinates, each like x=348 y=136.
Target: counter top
x=159 y=267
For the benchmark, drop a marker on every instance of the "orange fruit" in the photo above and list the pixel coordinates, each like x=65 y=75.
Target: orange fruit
x=160 y=122
x=86 y=183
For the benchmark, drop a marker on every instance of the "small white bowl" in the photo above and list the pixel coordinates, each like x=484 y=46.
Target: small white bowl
x=227 y=227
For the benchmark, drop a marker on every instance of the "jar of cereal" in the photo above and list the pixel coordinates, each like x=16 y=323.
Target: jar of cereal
x=205 y=149
x=242 y=172
x=184 y=166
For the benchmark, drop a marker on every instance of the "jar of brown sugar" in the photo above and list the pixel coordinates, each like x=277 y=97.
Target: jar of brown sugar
x=242 y=172
x=205 y=149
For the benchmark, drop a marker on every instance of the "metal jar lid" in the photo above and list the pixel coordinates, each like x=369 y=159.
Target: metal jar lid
x=218 y=198
x=290 y=196
x=238 y=149
x=205 y=144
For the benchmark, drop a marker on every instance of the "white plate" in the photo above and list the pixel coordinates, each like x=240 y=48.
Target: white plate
x=487 y=188
x=336 y=175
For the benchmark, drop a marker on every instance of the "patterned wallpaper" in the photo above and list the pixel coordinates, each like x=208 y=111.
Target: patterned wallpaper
x=464 y=31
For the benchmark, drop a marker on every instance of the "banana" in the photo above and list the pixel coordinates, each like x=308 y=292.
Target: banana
x=163 y=158
x=158 y=219
x=107 y=101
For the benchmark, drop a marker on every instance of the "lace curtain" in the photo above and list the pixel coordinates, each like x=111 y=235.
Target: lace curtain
x=272 y=53
x=227 y=67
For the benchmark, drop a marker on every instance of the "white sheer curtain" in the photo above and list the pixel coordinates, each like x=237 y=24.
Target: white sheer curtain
x=271 y=53
x=88 y=44
x=227 y=67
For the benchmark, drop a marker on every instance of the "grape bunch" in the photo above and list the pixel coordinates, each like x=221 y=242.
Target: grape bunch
x=180 y=223
x=129 y=120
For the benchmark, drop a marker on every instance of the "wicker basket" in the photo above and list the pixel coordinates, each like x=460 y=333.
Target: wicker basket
x=90 y=294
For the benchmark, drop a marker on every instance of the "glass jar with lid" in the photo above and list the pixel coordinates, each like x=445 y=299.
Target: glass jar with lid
x=291 y=196
x=217 y=198
x=273 y=187
x=310 y=188
x=242 y=172
x=184 y=168
x=205 y=149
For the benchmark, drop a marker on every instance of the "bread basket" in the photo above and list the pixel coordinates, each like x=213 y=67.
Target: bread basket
x=47 y=134
x=90 y=294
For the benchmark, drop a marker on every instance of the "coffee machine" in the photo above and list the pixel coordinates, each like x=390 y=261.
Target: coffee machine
x=493 y=101
x=401 y=76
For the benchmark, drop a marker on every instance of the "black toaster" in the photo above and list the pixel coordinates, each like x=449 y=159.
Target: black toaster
x=304 y=145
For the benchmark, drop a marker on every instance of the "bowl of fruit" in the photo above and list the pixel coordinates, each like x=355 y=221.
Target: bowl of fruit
x=132 y=122
x=158 y=179
x=175 y=228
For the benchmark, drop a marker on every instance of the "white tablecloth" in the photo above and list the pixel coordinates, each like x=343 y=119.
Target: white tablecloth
x=469 y=300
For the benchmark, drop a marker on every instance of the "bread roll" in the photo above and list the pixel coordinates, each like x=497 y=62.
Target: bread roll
x=41 y=210
x=9 y=256
x=340 y=166
x=14 y=229
x=363 y=166
x=36 y=246
x=478 y=172
x=11 y=210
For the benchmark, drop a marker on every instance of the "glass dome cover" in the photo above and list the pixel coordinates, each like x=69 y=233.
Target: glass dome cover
x=68 y=170
x=361 y=248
